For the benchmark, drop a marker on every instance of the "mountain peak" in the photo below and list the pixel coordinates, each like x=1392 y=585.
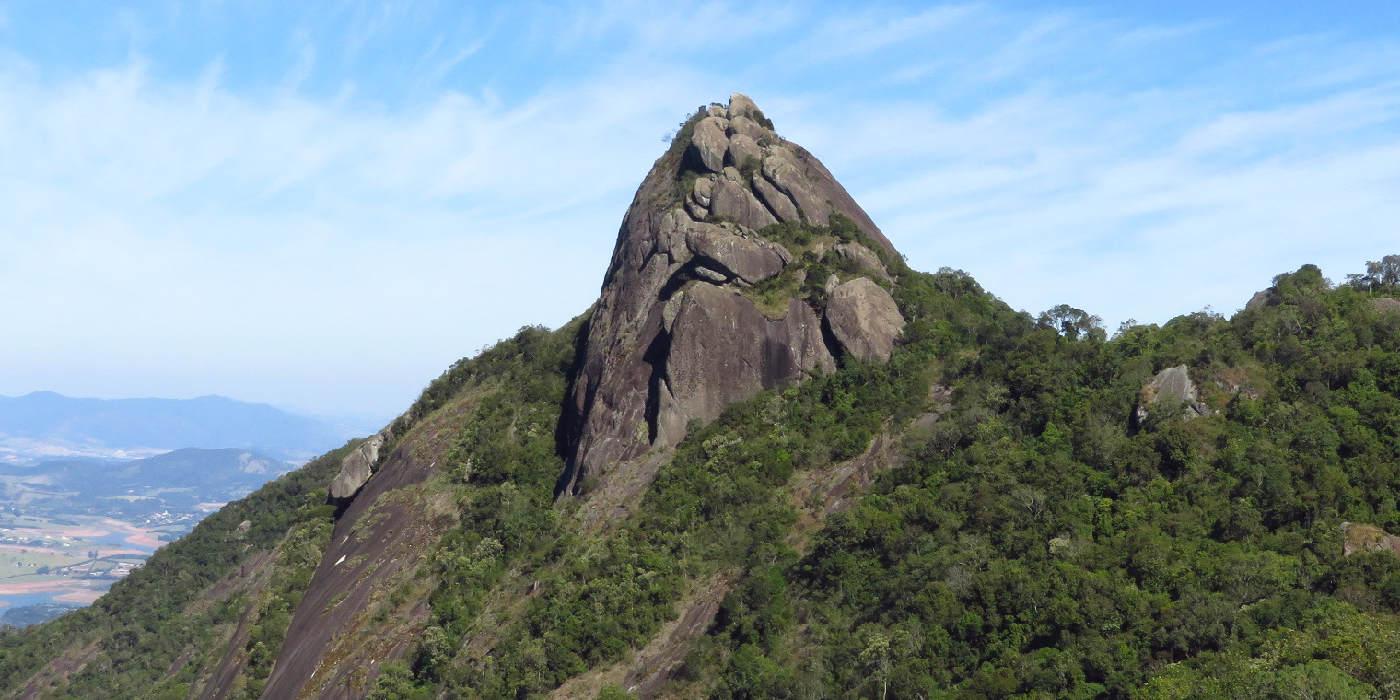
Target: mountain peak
x=719 y=287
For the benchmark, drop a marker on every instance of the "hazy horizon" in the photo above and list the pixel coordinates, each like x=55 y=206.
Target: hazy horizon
x=322 y=207
x=362 y=421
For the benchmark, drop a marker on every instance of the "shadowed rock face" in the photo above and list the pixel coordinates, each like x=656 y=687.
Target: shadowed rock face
x=670 y=339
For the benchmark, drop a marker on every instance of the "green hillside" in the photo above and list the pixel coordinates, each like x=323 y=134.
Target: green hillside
x=1022 y=532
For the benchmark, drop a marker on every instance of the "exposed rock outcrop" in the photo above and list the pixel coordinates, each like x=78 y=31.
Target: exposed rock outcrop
x=1173 y=385
x=671 y=338
x=864 y=319
x=1359 y=538
x=722 y=347
x=710 y=143
x=1386 y=305
x=739 y=256
x=357 y=466
x=1261 y=298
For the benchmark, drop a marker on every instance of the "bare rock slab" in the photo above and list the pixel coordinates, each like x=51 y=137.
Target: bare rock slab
x=1172 y=385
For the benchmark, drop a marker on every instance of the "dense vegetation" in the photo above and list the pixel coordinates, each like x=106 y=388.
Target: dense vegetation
x=1031 y=536
x=1036 y=540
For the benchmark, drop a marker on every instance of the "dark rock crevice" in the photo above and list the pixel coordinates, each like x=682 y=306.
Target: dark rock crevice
x=833 y=346
x=656 y=355
x=685 y=275
x=571 y=413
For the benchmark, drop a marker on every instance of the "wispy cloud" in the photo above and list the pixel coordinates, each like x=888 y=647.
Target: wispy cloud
x=191 y=235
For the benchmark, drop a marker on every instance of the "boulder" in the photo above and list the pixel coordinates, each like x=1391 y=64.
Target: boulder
x=864 y=319
x=735 y=202
x=780 y=204
x=782 y=172
x=704 y=189
x=696 y=211
x=742 y=148
x=741 y=106
x=356 y=467
x=863 y=260
x=671 y=237
x=747 y=127
x=749 y=259
x=709 y=143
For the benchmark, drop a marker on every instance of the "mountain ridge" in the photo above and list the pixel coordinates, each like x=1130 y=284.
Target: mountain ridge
x=150 y=425
x=708 y=218
x=969 y=501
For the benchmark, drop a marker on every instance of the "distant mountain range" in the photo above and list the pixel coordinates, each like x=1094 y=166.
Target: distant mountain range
x=179 y=479
x=44 y=424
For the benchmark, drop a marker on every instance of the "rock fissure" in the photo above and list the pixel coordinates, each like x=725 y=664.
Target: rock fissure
x=677 y=337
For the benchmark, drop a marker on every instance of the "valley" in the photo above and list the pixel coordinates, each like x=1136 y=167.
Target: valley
x=70 y=560
x=71 y=527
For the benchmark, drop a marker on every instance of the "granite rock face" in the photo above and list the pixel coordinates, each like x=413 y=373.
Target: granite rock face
x=722 y=347
x=1261 y=298
x=672 y=338
x=356 y=467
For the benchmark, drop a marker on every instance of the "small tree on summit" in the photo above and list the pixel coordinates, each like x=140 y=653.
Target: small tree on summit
x=1386 y=272
x=1382 y=273
x=1072 y=323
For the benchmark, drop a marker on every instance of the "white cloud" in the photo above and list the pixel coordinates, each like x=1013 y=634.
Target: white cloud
x=160 y=236
x=178 y=238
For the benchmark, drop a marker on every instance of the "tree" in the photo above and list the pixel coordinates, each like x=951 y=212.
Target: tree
x=1385 y=272
x=1072 y=323
x=876 y=657
x=1379 y=273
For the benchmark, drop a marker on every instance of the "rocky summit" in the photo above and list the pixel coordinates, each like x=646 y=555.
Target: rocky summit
x=674 y=337
x=771 y=460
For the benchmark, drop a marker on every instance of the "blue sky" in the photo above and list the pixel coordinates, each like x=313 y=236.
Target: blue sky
x=322 y=205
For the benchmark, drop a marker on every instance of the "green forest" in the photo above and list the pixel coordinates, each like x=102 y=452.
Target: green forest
x=1031 y=535
x=1037 y=540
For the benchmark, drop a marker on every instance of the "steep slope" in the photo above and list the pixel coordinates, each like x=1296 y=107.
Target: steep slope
x=671 y=338
x=934 y=495
x=172 y=620
x=677 y=335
